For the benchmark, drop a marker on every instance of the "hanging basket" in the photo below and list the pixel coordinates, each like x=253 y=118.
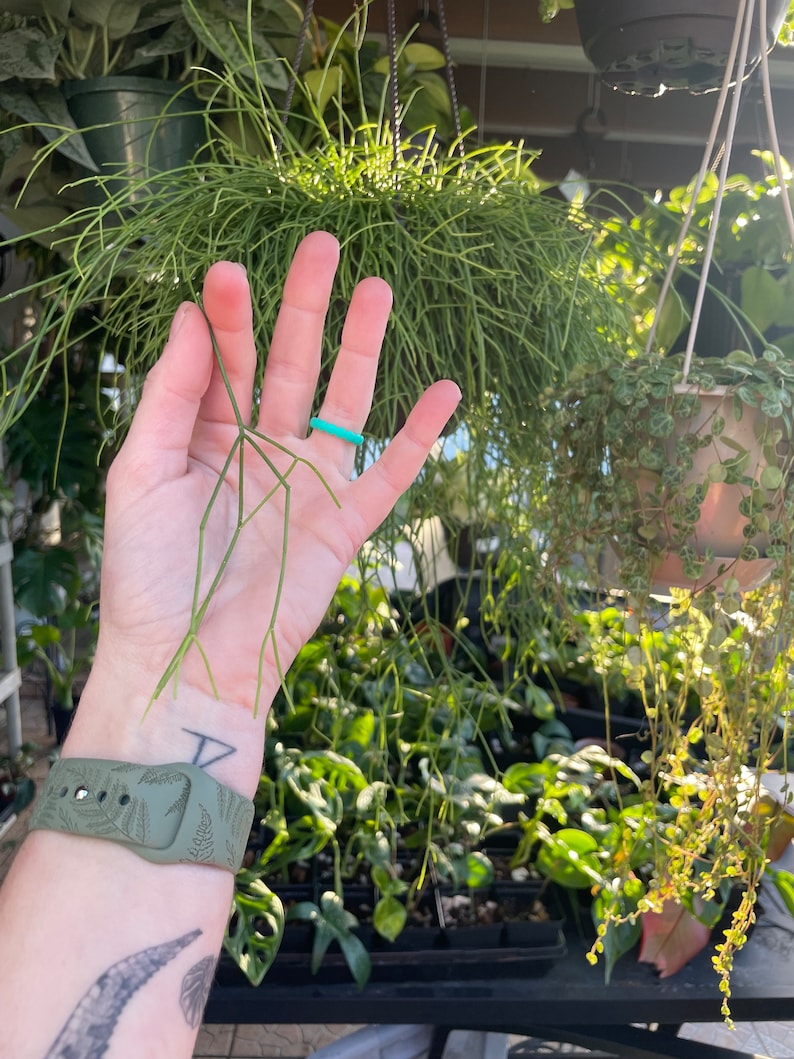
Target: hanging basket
x=645 y=47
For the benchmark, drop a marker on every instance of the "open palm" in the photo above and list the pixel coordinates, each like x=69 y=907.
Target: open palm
x=267 y=515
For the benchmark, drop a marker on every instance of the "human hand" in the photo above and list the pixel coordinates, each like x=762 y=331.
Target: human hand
x=280 y=548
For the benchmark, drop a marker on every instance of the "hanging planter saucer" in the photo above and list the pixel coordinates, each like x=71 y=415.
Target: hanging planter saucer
x=646 y=47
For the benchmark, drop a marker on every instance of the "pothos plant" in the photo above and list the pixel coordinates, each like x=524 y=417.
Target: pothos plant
x=748 y=298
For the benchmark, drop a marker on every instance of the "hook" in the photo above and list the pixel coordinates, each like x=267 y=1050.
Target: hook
x=424 y=14
x=585 y=138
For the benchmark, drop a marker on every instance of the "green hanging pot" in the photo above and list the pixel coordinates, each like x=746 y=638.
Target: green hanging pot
x=135 y=127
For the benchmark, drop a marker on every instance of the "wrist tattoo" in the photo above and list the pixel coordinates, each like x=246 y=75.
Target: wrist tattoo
x=210 y=750
x=88 y=1030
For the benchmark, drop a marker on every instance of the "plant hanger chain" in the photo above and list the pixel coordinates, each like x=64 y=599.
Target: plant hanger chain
x=296 y=65
x=450 y=75
x=394 y=88
x=734 y=72
x=296 y=62
x=391 y=44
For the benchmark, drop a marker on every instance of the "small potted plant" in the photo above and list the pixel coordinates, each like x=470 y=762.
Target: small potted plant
x=696 y=492
x=115 y=85
x=65 y=646
x=747 y=302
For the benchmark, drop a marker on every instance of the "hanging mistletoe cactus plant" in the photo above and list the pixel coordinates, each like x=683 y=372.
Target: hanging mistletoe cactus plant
x=496 y=283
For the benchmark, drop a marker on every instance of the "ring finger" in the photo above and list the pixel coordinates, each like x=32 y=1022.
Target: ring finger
x=348 y=398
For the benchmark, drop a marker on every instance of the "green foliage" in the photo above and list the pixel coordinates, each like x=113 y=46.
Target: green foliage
x=548 y=9
x=750 y=283
x=332 y=922
x=617 y=921
x=645 y=489
x=17 y=789
x=60 y=40
x=256 y=927
x=45 y=580
x=710 y=668
x=378 y=771
x=784 y=884
x=488 y=273
x=65 y=645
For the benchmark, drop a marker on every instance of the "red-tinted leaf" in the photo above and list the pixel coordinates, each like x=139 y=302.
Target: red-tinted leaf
x=671 y=938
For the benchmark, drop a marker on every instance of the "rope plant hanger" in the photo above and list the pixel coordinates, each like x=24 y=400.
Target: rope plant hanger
x=730 y=90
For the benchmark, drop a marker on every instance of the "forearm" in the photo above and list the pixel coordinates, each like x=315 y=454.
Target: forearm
x=116 y=953
x=88 y=920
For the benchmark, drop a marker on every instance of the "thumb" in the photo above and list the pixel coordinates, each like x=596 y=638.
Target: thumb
x=156 y=447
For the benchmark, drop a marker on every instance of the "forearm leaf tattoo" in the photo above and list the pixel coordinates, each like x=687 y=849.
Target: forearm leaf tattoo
x=88 y=1030
x=196 y=987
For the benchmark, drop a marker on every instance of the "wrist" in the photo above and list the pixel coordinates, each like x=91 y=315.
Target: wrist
x=119 y=721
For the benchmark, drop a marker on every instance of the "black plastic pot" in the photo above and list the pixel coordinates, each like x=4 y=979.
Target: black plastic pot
x=62 y=717
x=418 y=955
x=644 y=47
x=424 y=952
x=135 y=127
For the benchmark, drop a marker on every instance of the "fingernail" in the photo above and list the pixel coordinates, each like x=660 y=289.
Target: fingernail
x=239 y=264
x=176 y=323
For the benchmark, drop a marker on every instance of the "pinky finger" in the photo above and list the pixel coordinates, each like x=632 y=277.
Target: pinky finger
x=387 y=479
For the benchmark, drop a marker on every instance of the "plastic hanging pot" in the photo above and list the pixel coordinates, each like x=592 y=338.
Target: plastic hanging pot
x=135 y=127
x=646 y=47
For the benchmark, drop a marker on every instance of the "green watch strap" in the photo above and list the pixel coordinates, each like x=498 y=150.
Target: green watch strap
x=169 y=814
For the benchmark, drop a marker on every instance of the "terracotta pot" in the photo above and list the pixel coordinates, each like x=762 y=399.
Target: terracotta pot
x=722 y=526
x=645 y=47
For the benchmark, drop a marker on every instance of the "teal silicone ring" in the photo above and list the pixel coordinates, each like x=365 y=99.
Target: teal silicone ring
x=336 y=431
